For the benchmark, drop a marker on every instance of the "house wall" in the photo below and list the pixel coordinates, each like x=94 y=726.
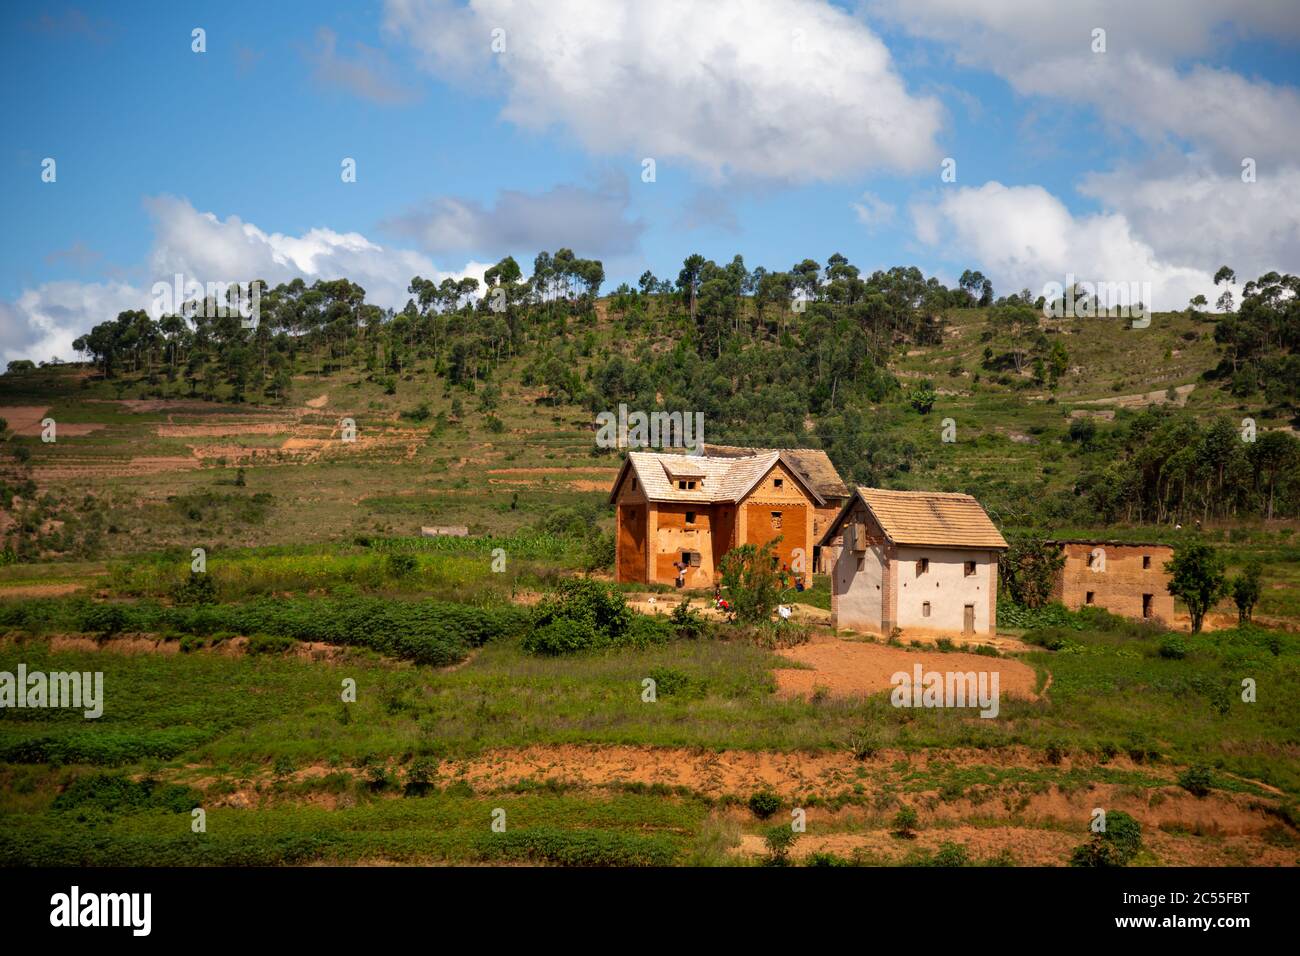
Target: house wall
x=859 y=588
x=947 y=587
x=675 y=535
x=630 y=517
x=1119 y=583
x=796 y=510
x=828 y=554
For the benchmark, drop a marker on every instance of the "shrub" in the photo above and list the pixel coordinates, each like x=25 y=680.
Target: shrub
x=864 y=743
x=750 y=576
x=906 y=821
x=687 y=623
x=583 y=614
x=197 y=589
x=400 y=565
x=1115 y=846
x=951 y=854
x=779 y=840
x=1196 y=780
x=764 y=803
x=1173 y=648
x=112 y=792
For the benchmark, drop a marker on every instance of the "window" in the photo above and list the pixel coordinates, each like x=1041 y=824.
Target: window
x=1146 y=605
x=681 y=485
x=1087 y=598
x=925 y=609
x=776 y=519
x=1146 y=562
x=970 y=569
x=862 y=562
x=922 y=566
x=778 y=482
x=686 y=558
x=634 y=482
x=690 y=485
x=690 y=517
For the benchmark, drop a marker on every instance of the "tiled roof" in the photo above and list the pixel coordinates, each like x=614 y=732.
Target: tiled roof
x=811 y=464
x=936 y=518
x=716 y=479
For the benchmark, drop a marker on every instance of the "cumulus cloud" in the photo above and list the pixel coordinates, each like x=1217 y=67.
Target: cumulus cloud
x=1136 y=85
x=591 y=221
x=43 y=321
x=1194 y=214
x=770 y=90
x=1024 y=237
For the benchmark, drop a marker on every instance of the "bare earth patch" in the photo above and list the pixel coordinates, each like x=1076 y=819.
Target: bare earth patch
x=852 y=669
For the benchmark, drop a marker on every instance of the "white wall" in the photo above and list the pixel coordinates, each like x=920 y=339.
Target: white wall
x=860 y=593
x=945 y=586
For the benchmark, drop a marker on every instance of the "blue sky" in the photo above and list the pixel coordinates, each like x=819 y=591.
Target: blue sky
x=1067 y=158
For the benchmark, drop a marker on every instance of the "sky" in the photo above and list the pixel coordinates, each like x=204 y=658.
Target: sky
x=1107 y=140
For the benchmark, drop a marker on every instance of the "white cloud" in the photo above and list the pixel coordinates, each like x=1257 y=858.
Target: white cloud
x=776 y=90
x=1024 y=237
x=1195 y=215
x=43 y=321
x=872 y=211
x=1046 y=49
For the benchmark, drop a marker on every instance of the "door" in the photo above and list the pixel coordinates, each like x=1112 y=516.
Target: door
x=968 y=621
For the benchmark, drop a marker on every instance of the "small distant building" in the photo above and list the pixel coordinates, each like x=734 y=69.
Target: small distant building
x=1123 y=577
x=682 y=513
x=922 y=561
x=814 y=466
x=445 y=531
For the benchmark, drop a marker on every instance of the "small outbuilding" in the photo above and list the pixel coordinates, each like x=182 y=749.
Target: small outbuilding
x=1124 y=577
x=922 y=561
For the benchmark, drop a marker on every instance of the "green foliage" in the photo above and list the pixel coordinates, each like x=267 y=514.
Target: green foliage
x=1173 y=648
x=1196 y=780
x=751 y=580
x=197 y=589
x=1027 y=571
x=687 y=623
x=779 y=840
x=764 y=803
x=1117 y=845
x=1245 y=590
x=1197 y=577
x=583 y=614
x=115 y=792
x=906 y=821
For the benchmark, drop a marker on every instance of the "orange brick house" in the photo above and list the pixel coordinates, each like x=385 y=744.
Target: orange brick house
x=814 y=467
x=692 y=509
x=1123 y=577
x=922 y=561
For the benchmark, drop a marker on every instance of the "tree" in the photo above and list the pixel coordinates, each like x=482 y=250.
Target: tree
x=749 y=574
x=1196 y=575
x=1198 y=301
x=923 y=396
x=1276 y=453
x=1028 y=569
x=1245 y=591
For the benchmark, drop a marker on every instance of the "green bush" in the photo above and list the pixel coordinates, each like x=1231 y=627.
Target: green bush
x=114 y=792
x=1117 y=845
x=764 y=803
x=269 y=644
x=1173 y=648
x=906 y=821
x=583 y=615
x=1196 y=780
x=951 y=854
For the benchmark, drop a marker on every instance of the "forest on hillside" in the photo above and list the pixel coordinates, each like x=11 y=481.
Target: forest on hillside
x=778 y=358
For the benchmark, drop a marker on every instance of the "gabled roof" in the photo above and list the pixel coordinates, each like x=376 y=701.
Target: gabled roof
x=935 y=518
x=811 y=464
x=716 y=479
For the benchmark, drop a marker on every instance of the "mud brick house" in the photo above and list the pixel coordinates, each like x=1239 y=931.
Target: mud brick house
x=922 y=561
x=692 y=509
x=1122 y=577
x=814 y=467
